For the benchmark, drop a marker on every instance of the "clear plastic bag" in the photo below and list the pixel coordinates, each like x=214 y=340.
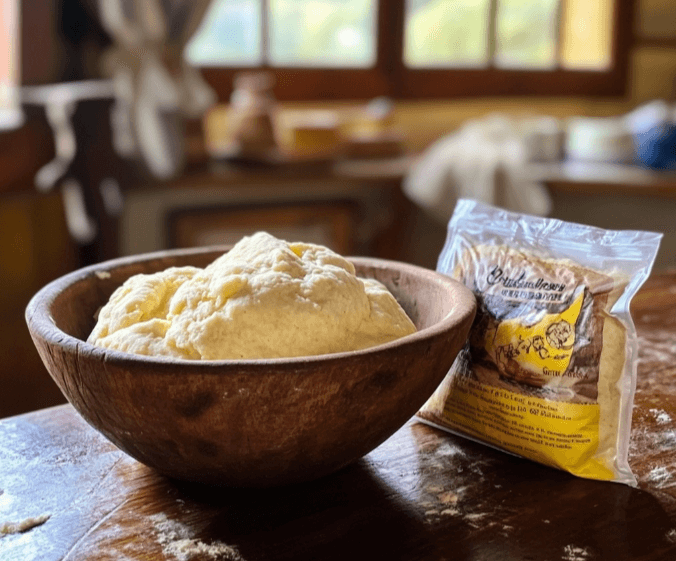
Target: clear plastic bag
x=549 y=370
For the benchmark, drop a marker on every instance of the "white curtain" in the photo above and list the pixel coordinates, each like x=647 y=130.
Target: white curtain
x=156 y=88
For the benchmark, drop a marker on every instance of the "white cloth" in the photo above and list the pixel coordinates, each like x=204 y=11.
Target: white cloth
x=156 y=89
x=484 y=161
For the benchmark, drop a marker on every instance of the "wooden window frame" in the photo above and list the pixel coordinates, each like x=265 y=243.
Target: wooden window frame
x=389 y=76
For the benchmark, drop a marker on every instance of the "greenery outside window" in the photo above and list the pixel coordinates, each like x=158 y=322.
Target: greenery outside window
x=341 y=49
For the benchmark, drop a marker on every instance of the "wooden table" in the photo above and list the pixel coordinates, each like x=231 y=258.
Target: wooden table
x=423 y=494
x=594 y=178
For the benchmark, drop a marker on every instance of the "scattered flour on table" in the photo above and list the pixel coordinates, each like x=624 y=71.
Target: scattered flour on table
x=188 y=548
x=448 y=498
x=654 y=440
x=443 y=503
x=661 y=476
x=659 y=347
x=665 y=440
x=574 y=553
x=671 y=535
x=23 y=525
x=662 y=417
x=176 y=541
x=447 y=449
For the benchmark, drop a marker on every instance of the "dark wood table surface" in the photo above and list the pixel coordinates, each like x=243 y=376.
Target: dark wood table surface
x=423 y=494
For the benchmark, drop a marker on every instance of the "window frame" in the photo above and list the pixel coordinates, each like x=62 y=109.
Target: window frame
x=390 y=77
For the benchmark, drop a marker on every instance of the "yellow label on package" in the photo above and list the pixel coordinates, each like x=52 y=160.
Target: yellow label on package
x=559 y=434
x=549 y=368
x=528 y=381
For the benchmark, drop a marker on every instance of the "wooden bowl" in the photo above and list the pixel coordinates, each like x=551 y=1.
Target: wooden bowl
x=248 y=422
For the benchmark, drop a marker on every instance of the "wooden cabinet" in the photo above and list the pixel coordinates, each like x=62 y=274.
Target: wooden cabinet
x=327 y=223
x=35 y=249
x=353 y=207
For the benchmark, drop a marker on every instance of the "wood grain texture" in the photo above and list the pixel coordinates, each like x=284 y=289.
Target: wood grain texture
x=250 y=422
x=422 y=495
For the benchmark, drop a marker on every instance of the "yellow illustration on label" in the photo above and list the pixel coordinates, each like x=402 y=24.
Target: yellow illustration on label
x=534 y=354
x=559 y=434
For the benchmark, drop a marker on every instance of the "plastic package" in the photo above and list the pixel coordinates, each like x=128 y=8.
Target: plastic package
x=549 y=370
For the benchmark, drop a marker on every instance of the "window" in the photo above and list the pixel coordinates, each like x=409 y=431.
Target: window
x=418 y=48
x=509 y=34
x=291 y=33
x=9 y=102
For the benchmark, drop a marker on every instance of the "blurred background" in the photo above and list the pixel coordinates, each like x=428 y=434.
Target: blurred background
x=132 y=126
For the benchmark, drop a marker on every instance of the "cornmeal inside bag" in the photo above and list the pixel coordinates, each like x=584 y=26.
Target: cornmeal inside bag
x=549 y=369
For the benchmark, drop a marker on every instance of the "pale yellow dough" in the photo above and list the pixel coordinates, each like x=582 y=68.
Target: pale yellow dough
x=265 y=298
